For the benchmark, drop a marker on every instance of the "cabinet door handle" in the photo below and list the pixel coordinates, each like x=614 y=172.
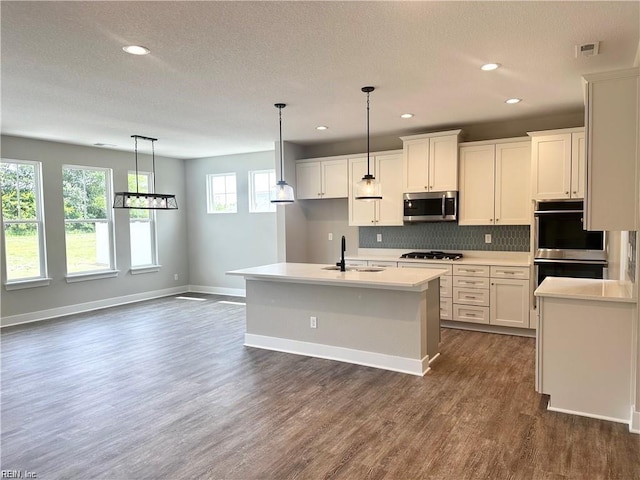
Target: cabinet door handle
x=566 y=193
x=497 y=219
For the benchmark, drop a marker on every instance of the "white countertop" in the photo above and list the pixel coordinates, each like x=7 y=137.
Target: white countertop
x=585 y=289
x=466 y=260
x=390 y=278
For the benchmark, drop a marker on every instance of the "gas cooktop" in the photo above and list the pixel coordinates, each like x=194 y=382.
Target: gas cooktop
x=432 y=255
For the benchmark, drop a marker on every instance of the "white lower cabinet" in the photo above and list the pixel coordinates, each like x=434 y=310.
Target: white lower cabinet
x=509 y=303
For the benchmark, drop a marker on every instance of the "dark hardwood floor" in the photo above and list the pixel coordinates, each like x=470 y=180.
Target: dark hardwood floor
x=164 y=389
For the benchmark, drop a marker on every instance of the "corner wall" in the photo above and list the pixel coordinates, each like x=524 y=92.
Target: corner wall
x=62 y=296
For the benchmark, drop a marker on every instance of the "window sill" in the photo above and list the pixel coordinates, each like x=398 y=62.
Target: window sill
x=83 y=277
x=146 y=269
x=20 y=284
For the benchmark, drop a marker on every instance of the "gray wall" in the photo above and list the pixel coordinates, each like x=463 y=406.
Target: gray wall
x=222 y=242
x=172 y=235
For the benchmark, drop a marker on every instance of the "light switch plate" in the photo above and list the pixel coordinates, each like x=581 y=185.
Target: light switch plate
x=379 y=237
x=487 y=238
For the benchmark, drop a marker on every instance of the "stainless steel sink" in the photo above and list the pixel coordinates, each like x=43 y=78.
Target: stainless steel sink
x=355 y=269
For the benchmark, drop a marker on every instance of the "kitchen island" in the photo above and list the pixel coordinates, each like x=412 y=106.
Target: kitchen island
x=385 y=318
x=585 y=347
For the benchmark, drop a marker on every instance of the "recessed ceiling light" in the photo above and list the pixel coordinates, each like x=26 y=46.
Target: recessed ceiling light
x=406 y=115
x=487 y=67
x=322 y=127
x=511 y=101
x=136 y=49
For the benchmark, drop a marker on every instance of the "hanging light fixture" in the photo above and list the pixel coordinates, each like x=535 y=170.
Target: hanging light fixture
x=368 y=189
x=281 y=193
x=148 y=201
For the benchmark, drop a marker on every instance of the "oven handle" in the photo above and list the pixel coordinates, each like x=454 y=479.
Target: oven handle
x=538 y=261
x=545 y=212
x=444 y=215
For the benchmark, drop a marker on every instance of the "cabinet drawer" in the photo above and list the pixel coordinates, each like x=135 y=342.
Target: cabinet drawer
x=471 y=282
x=465 y=313
x=438 y=266
x=521 y=273
x=471 y=296
x=445 y=309
x=471 y=270
x=445 y=286
x=355 y=263
x=381 y=263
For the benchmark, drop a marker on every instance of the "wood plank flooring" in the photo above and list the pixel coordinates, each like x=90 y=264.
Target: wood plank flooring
x=164 y=389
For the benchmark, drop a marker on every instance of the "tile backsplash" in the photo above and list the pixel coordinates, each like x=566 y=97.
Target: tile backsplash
x=447 y=236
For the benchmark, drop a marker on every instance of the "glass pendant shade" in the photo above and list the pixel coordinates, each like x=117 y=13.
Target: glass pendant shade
x=281 y=193
x=368 y=189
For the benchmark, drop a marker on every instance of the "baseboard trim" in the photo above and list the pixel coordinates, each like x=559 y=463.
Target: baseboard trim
x=231 y=292
x=481 y=327
x=634 y=425
x=88 y=306
x=590 y=415
x=340 y=354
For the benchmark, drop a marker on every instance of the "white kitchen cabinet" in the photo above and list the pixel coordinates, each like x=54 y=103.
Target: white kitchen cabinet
x=509 y=302
x=387 y=168
x=430 y=162
x=322 y=178
x=613 y=147
x=494 y=183
x=558 y=163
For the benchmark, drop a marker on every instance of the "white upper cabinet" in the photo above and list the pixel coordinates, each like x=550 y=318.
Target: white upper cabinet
x=430 y=162
x=320 y=178
x=613 y=146
x=558 y=164
x=387 y=168
x=494 y=183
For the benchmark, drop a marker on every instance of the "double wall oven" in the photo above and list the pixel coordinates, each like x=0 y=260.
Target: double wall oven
x=562 y=247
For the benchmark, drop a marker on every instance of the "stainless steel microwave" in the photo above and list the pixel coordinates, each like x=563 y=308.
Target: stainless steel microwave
x=430 y=207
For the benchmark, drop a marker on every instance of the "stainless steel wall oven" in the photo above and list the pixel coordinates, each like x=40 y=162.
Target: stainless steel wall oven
x=562 y=247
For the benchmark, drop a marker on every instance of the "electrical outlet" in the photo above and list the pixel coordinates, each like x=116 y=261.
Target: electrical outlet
x=330 y=236
x=175 y=276
x=379 y=237
x=313 y=322
x=487 y=238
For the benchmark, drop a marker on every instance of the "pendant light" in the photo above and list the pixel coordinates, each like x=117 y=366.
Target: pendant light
x=281 y=193
x=148 y=201
x=368 y=189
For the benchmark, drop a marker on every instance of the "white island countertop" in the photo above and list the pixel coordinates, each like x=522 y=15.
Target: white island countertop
x=390 y=278
x=585 y=289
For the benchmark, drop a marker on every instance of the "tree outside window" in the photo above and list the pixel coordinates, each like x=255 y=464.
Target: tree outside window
x=88 y=219
x=22 y=220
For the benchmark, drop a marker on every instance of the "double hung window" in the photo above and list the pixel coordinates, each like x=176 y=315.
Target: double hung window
x=23 y=220
x=88 y=219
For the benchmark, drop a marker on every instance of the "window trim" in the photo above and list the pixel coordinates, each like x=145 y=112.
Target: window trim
x=111 y=271
x=42 y=279
x=252 y=191
x=211 y=194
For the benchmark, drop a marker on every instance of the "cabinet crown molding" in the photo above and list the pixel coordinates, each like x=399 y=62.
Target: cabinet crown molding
x=627 y=72
x=558 y=131
x=496 y=141
x=430 y=135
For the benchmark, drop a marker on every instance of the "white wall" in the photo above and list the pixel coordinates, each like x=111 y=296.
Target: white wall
x=172 y=243
x=222 y=242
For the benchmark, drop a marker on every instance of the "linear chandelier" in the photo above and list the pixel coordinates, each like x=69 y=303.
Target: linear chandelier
x=148 y=201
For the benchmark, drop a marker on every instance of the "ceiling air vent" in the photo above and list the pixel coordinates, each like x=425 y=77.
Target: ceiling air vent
x=587 y=49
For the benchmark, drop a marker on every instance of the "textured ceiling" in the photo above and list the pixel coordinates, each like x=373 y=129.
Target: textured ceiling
x=216 y=68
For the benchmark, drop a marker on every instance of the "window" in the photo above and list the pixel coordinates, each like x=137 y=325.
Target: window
x=22 y=219
x=142 y=224
x=221 y=193
x=260 y=183
x=88 y=219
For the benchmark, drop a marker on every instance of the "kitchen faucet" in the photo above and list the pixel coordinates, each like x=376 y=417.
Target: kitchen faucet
x=341 y=263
